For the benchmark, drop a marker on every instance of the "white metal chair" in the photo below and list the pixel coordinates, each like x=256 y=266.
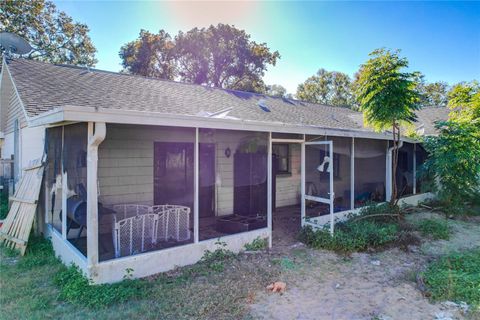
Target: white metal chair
x=135 y=234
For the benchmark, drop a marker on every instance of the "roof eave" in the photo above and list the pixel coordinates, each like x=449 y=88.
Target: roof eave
x=85 y=114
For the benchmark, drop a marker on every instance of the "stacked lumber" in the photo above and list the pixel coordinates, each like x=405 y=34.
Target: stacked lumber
x=18 y=224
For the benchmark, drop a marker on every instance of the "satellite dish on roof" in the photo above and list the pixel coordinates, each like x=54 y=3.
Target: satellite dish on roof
x=14 y=44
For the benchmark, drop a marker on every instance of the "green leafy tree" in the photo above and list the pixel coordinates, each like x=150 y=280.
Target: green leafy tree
x=388 y=97
x=218 y=56
x=454 y=161
x=464 y=100
x=53 y=34
x=150 y=55
x=276 y=90
x=327 y=87
x=434 y=94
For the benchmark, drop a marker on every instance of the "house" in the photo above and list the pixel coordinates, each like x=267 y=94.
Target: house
x=147 y=174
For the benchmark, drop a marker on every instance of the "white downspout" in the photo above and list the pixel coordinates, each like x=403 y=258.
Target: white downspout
x=96 y=134
x=389 y=172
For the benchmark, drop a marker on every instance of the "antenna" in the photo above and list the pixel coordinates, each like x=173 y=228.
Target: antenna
x=13 y=44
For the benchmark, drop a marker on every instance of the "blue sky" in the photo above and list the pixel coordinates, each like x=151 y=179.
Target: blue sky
x=440 y=39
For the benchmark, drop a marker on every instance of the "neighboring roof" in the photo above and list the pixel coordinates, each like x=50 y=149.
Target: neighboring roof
x=426 y=118
x=44 y=86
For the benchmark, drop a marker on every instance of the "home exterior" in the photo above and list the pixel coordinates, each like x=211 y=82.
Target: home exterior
x=147 y=174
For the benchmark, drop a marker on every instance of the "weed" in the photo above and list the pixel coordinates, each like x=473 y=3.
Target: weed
x=215 y=260
x=3 y=205
x=434 y=228
x=455 y=277
x=257 y=245
x=374 y=227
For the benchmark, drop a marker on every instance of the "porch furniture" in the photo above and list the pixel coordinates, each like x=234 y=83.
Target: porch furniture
x=236 y=223
x=134 y=234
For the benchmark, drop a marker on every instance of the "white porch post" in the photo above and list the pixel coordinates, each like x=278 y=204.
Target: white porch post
x=64 y=190
x=269 y=189
x=195 y=189
x=388 y=173
x=302 y=182
x=96 y=134
x=332 y=193
x=352 y=175
x=414 y=168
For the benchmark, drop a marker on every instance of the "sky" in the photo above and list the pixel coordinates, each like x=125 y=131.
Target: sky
x=440 y=39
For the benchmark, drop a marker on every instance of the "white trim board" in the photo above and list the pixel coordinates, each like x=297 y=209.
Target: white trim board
x=86 y=114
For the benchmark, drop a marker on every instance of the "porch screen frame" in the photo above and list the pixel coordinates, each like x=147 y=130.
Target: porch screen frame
x=305 y=197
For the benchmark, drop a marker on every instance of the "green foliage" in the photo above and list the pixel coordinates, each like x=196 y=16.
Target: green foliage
x=455 y=277
x=434 y=228
x=433 y=94
x=454 y=162
x=215 y=260
x=387 y=94
x=219 y=56
x=75 y=288
x=388 y=97
x=276 y=90
x=327 y=87
x=464 y=100
x=3 y=205
x=375 y=226
x=53 y=34
x=257 y=245
x=350 y=237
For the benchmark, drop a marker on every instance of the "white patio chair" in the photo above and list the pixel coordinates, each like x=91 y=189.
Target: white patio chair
x=134 y=234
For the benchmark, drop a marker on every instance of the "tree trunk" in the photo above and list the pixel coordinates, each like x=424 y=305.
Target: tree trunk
x=396 y=140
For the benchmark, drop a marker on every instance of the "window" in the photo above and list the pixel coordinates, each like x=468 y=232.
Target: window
x=281 y=153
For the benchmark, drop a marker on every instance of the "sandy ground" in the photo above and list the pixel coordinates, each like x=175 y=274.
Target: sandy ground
x=323 y=285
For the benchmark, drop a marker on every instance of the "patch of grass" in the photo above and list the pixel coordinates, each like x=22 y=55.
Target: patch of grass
x=38 y=286
x=350 y=236
x=455 y=277
x=257 y=245
x=434 y=228
x=373 y=228
x=3 y=205
x=77 y=289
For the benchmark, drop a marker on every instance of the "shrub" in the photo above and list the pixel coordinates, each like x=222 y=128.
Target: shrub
x=454 y=163
x=434 y=228
x=257 y=244
x=351 y=236
x=214 y=260
x=455 y=277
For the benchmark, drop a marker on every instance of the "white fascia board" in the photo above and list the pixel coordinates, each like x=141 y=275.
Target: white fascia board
x=85 y=114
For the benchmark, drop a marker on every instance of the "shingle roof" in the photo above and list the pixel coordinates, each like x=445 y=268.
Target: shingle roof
x=426 y=118
x=44 y=86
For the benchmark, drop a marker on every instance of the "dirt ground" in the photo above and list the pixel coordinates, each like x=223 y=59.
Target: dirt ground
x=324 y=285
